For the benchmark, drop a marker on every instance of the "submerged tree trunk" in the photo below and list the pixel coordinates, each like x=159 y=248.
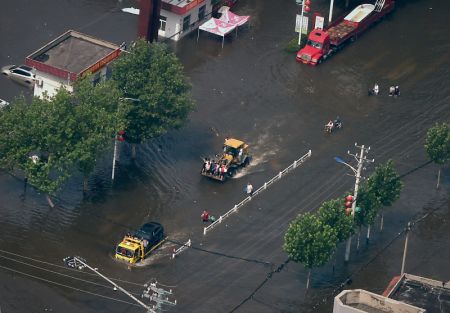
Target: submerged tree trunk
x=357 y=240
x=85 y=184
x=381 y=221
x=49 y=201
x=439 y=178
x=133 y=151
x=368 y=234
x=307 y=280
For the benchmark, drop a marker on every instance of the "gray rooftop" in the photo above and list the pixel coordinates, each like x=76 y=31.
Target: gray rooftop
x=73 y=52
x=431 y=295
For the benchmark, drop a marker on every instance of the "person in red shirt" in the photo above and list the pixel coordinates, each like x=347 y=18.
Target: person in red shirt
x=205 y=216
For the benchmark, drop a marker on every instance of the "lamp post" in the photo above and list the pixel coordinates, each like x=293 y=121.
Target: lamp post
x=119 y=137
x=357 y=171
x=79 y=263
x=331 y=11
x=301 y=23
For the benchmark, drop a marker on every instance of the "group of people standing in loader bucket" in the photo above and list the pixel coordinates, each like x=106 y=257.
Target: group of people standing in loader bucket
x=234 y=155
x=216 y=168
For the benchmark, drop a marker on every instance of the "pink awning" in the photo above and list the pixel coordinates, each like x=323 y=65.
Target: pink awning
x=229 y=17
x=217 y=27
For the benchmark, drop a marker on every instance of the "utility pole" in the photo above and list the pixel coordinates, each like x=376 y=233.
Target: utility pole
x=158 y=295
x=301 y=23
x=331 y=12
x=361 y=160
x=408 y=229
x=79 y=263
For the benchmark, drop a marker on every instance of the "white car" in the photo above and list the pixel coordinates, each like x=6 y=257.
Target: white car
x=21 y=73
x=3 y=103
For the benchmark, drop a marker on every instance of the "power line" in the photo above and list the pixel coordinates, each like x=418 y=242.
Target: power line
x=66 y=268
x=348 y=279
x=222 y=254
x=50 y=271
x=268 y=277
x=66 y=286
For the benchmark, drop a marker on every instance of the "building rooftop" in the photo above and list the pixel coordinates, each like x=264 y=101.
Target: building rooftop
x=180 y=6
x=72 y=53
x=429 y=294
x=362 y=301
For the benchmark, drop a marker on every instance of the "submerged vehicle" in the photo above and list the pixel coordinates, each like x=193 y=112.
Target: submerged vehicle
x=235 y=155
x=138 y=245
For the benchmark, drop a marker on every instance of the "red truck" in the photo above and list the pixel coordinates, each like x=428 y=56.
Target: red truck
x=323 y=43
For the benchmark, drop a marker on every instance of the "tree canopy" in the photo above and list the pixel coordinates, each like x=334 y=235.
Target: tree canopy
x=310 y=241
x=333 y=214
x=369 y=205
x=438 y=143
x=50 y=137
x=153 y=78
x=385 y=184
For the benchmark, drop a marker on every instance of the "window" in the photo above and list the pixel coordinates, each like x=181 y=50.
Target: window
x=201 y=13
x=20 y=72
x=162 y=23
x=186 y=22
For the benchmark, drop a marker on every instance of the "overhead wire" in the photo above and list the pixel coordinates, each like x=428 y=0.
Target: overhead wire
x=221 y=254
x=67 y=286
x=348 y=279
x=67 y=268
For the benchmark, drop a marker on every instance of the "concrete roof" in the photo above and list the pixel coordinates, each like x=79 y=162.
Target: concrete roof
x=429 y=294
x=73 y=52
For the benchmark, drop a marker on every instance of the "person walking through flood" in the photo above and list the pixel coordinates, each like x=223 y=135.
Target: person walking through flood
x=249 y=189
x=205 y=216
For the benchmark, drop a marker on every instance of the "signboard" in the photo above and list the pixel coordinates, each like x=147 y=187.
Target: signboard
x=319 y=22
x=298 y=22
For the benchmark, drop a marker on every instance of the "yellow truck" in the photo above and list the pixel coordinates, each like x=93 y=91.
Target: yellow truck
x=234 y=156
x=138 y=245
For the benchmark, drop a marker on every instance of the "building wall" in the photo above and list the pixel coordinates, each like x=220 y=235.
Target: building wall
x=47 y=83
x=174 y=22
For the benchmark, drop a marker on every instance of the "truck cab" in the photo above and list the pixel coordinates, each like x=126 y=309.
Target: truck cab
x=317 y=48
x=138 y=245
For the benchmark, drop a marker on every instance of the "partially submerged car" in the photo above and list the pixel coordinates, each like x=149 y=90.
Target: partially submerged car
x=3 y=103
x=138 y=245
x=20 y=73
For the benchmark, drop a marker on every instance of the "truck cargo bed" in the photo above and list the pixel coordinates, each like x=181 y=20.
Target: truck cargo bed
x=340 y=32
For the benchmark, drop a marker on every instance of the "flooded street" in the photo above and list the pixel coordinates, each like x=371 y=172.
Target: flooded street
x=255 y=91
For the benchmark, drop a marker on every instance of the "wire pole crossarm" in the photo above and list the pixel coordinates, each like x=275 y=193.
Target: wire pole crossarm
x=148 y=308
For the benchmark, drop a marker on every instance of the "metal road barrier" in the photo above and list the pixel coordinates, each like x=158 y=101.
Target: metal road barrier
x=181 y=249
x=258 y=191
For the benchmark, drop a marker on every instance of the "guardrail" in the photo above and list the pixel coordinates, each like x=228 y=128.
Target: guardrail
x=181 y=249
x=291 y=167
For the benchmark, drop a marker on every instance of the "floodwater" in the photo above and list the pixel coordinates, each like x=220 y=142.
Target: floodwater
x=253 y=90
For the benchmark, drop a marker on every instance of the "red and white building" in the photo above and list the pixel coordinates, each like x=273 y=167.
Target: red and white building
x=179 y=17
x=68 y=57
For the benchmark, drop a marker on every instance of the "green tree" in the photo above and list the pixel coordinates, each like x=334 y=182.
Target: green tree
x=332 y=213
x=369 y=206
x=310 y=241
x=37 y=139
x=52 y=137
x=153 y=78
x=437 y=145
x=385 y=185
x=99 y=115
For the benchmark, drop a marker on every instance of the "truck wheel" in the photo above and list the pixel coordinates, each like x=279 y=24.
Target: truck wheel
x=246 y=162
x=231 y=172
x=320 y=61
